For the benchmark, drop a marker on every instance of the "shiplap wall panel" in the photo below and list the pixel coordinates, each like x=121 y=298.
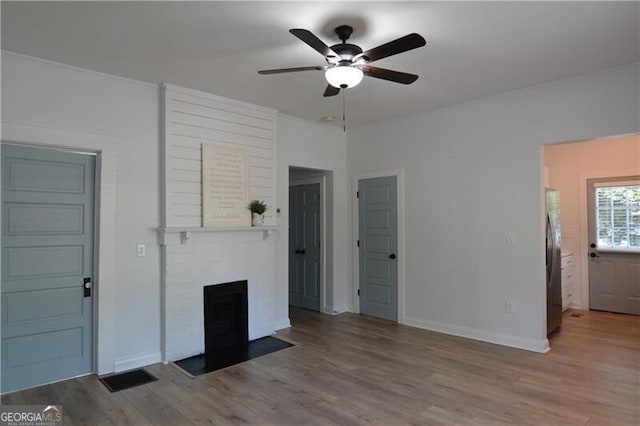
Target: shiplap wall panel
x=187 y=135
x=192 y=118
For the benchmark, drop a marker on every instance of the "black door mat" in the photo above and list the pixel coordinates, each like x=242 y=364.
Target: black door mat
x=201 y=364
x=129 y=379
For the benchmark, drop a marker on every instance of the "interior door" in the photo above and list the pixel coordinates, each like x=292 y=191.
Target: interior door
x=614 y=244
x=47 y=260
x=304 y=246
x=378 y=241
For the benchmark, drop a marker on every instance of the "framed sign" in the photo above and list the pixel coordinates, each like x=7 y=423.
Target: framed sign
x=225 y=186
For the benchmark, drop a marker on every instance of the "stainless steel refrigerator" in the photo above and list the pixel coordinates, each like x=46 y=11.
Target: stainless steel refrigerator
x=554 y=284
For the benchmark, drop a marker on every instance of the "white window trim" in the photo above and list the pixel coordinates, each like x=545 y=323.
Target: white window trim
x=608 y=184
x=614 y=184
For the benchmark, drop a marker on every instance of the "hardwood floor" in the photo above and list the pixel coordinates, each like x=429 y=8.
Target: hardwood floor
x=351 y=369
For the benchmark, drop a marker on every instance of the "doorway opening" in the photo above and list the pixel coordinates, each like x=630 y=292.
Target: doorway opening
x=378 y=241
x=105 y=227
x=48 y=203
x=576 y=170
x=310 y=239
x=613 y=212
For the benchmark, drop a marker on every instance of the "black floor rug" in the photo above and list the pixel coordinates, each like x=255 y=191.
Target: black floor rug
x=129 y=379
x=201 y=364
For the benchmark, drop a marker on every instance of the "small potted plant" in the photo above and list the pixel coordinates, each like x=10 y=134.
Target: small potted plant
x=257 y=209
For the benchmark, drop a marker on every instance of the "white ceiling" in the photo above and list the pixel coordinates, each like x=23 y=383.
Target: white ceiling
x=474 y=49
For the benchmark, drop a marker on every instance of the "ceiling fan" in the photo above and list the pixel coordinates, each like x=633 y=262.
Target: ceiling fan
x=347 y=63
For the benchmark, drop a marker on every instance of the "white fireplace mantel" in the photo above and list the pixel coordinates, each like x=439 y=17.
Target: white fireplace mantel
x=164 y=234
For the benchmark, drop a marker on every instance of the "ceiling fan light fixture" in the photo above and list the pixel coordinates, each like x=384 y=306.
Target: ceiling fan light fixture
x=343 y=76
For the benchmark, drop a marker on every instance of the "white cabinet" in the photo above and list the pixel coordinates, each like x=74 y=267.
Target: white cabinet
x=568 y=280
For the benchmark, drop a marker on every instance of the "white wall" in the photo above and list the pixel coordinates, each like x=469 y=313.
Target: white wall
x=49 y=95
x=56 y=96
x=570 y=165
x=473 y=172
x=305 y=144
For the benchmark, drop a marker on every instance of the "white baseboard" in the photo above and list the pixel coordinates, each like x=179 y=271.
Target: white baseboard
x=283 y=324
x=136 y=361
x=329 y=310
x=540 y=346
x=340 y=309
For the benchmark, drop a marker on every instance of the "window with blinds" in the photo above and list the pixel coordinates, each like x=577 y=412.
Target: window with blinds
x=618 y=216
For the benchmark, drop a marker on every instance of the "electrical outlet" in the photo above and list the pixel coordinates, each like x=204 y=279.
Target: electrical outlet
x=508 y=306
x=142 y=250
x=510 y=238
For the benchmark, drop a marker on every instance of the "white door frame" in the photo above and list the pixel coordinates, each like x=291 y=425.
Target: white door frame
x=323 y=247
x=399 y=174
x=105 y=223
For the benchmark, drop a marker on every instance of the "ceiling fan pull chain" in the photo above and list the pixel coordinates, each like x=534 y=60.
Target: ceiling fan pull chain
x=344 y=113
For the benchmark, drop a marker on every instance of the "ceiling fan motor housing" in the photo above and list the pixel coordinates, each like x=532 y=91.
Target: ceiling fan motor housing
x=347 y=51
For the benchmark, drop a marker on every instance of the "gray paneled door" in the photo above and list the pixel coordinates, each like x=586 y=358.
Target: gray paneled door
x=47 y=255
x=378 y=239
x=614 y=244
x=304 y=246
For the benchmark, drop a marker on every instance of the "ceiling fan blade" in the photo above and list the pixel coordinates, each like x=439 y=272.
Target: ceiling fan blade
x=390 y=75
x=309 y=38
x=331 y=91
x=408 y=42
x=282 y=70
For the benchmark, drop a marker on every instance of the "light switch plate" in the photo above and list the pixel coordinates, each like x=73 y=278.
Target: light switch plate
x=142 y=250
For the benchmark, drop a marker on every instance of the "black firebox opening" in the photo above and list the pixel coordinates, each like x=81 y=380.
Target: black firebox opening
x=226 y=319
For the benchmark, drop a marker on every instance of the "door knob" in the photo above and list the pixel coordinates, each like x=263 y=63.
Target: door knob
x=392 y=256
x=86 y=286
x=592 y=254
x=592 y=245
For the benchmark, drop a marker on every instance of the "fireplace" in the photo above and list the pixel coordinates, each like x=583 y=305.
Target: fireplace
x=226 y=328
x=226 y=331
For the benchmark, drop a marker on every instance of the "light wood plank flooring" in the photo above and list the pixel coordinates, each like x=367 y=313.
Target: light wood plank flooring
x=350 y=369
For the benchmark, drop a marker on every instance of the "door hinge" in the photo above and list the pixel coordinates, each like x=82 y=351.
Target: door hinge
x=358 y=292
x=357 y=194
x=358 y=243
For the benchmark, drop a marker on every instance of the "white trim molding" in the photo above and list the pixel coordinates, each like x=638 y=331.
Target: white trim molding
x=106 y=182
x=136 y=361
x=533 y=345
x=399 y=174
x=282 y=325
